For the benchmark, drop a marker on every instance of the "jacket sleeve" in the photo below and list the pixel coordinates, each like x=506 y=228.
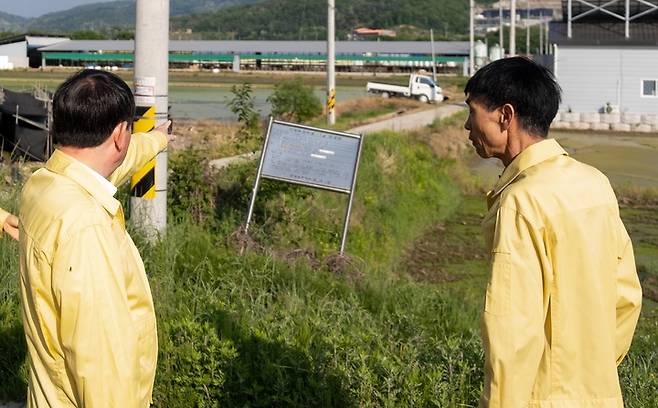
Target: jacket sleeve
x=143 y=147
x=629 y=298
x=98 y=337
x=513 y=320
x=3 y=217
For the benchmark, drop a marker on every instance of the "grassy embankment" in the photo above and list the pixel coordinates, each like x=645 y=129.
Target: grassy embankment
x=278 y=327
x=286 y=325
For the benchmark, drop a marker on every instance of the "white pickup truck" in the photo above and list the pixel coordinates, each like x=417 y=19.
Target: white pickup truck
x=420 y=87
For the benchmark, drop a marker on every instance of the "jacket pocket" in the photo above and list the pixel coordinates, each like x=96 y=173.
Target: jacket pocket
x=498 y=299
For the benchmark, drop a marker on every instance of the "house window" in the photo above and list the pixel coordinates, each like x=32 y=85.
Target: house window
x=649 y=87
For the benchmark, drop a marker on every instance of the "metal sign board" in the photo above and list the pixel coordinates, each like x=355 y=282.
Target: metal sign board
x=310 y=156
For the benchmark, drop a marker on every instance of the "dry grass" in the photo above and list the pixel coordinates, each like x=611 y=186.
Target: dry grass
x=373 y=102
x=387 y=161
x=449 y=139
x=217 y=138
x=637 y=196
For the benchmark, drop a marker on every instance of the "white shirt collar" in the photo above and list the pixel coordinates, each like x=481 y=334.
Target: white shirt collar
x=109 y=187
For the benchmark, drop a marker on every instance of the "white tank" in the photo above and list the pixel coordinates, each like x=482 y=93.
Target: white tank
x=480 y=50
x=495 y=53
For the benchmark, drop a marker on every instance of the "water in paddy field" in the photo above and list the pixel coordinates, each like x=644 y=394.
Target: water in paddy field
x=625 y=159
x=210 y=103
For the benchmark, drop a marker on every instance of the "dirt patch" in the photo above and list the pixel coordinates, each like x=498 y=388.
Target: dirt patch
x=349 y=268
x=649 y=286
x=455 y=242
x=345 y=266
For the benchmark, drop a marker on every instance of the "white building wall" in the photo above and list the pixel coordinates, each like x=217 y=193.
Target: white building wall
x=16 y=54
x=592 y=76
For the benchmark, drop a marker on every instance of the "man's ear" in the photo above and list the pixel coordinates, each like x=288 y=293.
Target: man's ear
x=119 y=135
x=507 y=115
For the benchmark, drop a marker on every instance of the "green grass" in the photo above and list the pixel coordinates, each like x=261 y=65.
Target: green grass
x=352 y=118
x=282 y=327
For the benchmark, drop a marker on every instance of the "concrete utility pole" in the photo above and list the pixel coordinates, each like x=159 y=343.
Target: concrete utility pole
x=569 y=18
x=501 y=30
x=548 y=47
x=471 y=55
x=433 y=55
x=527 y=27
x=149 y=203
x=331 y=62
x=512 y=29
x=541 y=35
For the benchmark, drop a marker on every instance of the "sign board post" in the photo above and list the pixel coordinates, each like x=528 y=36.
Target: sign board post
x=312 y=157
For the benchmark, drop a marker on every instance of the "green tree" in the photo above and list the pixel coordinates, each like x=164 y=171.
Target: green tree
x=294 y=101
x=242 y=105
x=123 y=34
x=87 y=35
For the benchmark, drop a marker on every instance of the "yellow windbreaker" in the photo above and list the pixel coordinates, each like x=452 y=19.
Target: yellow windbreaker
x=87 y=308
x=563 y=296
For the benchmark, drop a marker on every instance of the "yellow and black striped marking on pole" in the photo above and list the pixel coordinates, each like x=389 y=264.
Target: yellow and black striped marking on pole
x=142 y=183
x=144 y=119
x=331 y=100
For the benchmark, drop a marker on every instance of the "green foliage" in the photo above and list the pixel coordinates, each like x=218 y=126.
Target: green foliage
x=105 y=15
x=87 y=35
x=11 y=24
x=262 y=329
x=7 y=34
x=121 y=34
x=272 y=20
x=190 y=191
x=352 y=118
x=193 y=364
x=294 y=101
x=494 y=38
x=13 y=364
x=242 y=105
x=637 y=373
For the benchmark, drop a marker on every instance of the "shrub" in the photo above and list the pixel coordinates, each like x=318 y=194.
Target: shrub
x=193 y=363
x=293 y=101
x=242 y=105
x=191 y=193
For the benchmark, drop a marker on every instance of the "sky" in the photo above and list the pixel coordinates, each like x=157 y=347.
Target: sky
x=36 y=8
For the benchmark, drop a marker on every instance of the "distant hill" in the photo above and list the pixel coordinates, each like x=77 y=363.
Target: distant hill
x=306 y=19
x=10 y=22
x=99 y=16
x=257 y=19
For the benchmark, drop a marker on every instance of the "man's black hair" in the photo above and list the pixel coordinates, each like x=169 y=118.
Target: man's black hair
x=530 y=88
x=88 y=106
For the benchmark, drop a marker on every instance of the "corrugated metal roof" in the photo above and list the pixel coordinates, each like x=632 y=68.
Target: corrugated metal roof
x=34 y=40
x=604 y=33
x=275 y=47
x=40 y=41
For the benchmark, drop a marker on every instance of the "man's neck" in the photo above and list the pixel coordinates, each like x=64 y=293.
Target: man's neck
x=516 y=144
x=90 y=158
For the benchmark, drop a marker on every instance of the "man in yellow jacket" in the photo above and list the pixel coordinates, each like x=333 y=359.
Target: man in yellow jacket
x=563 y=295
x=87 y=308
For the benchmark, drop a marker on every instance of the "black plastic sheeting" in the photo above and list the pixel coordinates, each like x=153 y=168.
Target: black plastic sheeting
x=27 y=104
x=24 y=140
